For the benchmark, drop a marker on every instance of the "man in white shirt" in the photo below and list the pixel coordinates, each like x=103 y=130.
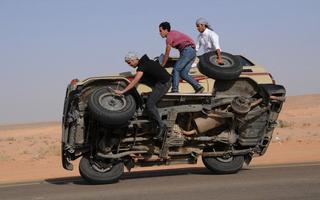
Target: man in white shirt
x=208 y=39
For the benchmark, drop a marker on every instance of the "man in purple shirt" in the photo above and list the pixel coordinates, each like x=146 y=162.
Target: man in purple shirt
x=186 y=47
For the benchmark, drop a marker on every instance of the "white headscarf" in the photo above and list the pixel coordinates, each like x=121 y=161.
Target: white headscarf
x=203 y=21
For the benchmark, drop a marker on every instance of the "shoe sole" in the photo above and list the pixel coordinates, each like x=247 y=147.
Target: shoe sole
x=200 y=91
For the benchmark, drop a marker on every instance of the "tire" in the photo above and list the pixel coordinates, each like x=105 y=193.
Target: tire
x=94 y=174
x=219 y=165
x=111 y=109
x=229 y=71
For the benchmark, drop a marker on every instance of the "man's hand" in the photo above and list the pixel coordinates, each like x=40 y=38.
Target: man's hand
x=219 y=61
x=135 y=80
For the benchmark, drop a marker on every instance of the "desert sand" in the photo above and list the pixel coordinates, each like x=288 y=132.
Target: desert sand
x=32 y=151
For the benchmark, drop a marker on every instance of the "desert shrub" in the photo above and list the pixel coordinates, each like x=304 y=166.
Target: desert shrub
x=4 y=157
x=54 y=150
x=306 y=124
x=10 y=139
x=284 y=124
x=51 y=150
x=24 y=152
x=29 y=138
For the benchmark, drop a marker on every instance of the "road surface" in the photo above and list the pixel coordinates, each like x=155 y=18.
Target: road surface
x=290 y=182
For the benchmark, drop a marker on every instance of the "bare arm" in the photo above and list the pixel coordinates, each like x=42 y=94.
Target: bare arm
x=219 y=57
x=216 y=44
x=136 y=79
x=166 y=55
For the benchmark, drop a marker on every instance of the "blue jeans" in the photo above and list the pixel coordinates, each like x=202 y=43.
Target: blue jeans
x=182 y=68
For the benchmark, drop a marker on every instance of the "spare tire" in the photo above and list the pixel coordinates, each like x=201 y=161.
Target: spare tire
x=231 y=68
x=109 y=108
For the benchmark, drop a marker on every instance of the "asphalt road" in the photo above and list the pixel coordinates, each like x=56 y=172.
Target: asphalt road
x=290 y=182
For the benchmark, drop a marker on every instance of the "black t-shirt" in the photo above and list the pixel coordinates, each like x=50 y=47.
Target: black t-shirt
x=153 y=72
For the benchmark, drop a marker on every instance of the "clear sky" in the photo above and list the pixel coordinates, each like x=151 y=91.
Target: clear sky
x=44 y=44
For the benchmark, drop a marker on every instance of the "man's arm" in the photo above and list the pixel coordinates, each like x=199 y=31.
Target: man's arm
x=198 y=44
x=166 y=55
x=219 y=60
x=136 y=79
x=215 y=41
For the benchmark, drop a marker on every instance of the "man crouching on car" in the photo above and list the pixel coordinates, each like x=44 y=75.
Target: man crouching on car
x=151 y=73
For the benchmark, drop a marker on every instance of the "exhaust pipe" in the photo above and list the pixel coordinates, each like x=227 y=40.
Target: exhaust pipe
x=119 y=155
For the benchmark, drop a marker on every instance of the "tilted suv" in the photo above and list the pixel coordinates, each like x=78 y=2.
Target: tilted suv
x=228 y=124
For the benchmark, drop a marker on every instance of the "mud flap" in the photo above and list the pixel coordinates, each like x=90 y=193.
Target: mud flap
x=65 y=158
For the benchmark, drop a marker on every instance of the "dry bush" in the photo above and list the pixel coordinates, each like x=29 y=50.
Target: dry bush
x=54 y=150
x=44 y=137
x=29 y=138
x=306 y=124
x=285 y=124
x=288 y=138
x=4 y=157
x=10 y=139
x=25 y=152
x=33 y=142
x=51 y=150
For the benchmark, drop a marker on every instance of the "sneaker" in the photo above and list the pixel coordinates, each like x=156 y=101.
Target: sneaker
x=174 y=91
x=199 y=90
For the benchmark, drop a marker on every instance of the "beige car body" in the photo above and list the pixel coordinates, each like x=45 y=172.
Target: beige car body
x=254 y=72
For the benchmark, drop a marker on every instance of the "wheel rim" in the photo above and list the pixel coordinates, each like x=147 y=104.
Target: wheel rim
x=102 y=168
x=227 y=62
x=112 y=102
x=225 y=159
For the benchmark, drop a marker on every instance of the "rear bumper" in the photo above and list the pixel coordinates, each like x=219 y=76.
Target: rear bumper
x=277 y=94
x=274 y=90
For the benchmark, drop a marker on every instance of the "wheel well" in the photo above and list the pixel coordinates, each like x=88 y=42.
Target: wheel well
x=245 y=87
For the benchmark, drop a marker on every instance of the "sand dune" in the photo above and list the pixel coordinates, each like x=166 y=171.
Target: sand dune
x=32 y=151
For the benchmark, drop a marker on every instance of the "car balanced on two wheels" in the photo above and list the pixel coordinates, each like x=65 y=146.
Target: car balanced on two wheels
x=228 y=124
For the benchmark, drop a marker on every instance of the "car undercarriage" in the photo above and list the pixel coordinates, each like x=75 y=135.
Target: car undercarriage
x=225 y=128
